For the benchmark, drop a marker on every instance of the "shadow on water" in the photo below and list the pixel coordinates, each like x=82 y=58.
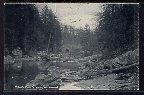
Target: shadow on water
x=19 y=75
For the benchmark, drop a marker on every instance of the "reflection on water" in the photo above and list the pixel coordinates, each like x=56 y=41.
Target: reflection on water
x=15 y=76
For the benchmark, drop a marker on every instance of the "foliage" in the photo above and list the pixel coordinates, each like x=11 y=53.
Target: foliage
x=118 y=28
x=51 y=30
x=25 y=28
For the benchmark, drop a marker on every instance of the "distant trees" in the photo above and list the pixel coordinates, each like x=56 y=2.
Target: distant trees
x=78 y=38
x=29 y=30
x=85 y=37
x=70 y=37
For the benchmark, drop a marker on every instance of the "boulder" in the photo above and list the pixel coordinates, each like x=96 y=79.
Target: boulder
x=49 y=78
x=40 y=77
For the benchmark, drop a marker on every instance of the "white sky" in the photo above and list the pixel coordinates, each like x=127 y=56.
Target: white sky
x=75 y=14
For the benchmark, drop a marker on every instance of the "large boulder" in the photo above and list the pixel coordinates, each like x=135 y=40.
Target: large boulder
x=8 y=59
x=17 y=52
x=127 y=58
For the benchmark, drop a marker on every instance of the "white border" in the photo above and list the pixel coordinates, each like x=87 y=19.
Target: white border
x=59 y=3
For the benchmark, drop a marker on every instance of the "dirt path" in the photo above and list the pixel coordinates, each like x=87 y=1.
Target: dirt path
x=70 y=86
x=101 y=83
x=107 y=82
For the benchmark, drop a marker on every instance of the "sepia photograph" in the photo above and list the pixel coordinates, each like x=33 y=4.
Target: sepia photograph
x=71 y=46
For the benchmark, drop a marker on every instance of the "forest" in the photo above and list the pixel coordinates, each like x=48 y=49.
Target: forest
x=41 y=51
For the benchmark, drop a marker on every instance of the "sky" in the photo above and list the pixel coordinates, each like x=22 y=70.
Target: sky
x=75 y=14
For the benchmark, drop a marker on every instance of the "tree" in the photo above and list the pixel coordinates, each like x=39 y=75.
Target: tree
x=117 y=28
x=51 y=30
x=85 y=37
x=25 y=28
x=21 y=26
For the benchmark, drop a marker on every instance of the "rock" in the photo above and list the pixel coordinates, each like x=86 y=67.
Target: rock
x=8 y=59
x=49 y=78
x=17 y=52
x=40 y=77
x=30 y=84
x=54 y=84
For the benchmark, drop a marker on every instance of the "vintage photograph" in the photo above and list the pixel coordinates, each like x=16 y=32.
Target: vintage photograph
x=71 y=46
